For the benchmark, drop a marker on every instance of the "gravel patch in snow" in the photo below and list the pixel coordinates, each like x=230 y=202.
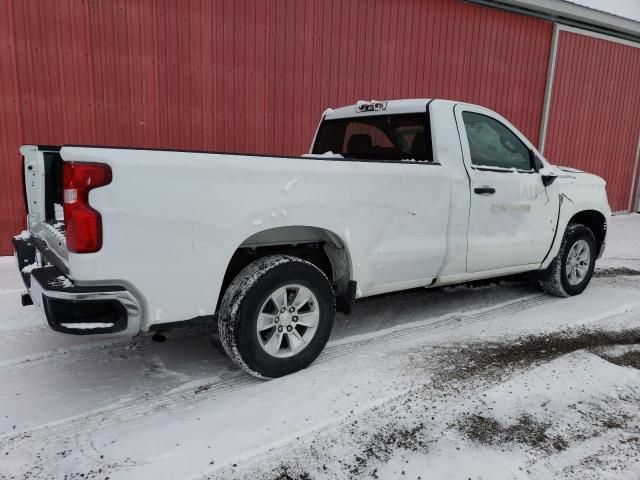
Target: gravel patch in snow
x=624 y=357
x=452 y=411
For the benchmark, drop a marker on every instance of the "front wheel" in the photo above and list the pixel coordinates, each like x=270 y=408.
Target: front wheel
x=276 y=316
x=571 y=270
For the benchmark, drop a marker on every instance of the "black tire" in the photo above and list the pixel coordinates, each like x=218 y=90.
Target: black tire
x=555 y=280
x=242 y=304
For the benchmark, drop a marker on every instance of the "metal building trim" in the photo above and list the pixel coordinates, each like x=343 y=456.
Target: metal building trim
x=571 y=14
x=636 y=165
x=551 y=71
x=601 y=36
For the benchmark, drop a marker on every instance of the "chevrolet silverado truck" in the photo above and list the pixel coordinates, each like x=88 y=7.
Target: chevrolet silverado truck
x=393 y=195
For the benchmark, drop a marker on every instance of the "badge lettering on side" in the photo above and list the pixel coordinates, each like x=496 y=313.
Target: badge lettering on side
x=508 y=207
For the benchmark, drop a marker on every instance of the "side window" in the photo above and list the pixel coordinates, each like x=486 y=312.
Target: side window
x=494 y=145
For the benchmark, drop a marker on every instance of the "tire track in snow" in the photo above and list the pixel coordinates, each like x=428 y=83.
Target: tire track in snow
x=58 y=359
x=186 y=393
x=446 y=322
x=115 y=349
x=108 y=350
x=150 y=402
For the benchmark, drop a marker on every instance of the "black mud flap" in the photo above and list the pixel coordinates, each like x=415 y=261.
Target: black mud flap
x=26 y=255
x=344 y=303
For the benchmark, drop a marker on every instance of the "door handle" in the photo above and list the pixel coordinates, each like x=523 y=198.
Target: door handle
x=485 y=190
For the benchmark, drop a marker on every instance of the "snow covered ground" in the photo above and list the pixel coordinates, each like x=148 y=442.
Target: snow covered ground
x=492 y=380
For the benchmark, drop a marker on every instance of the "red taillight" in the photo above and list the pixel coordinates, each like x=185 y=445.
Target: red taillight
x=82 y=223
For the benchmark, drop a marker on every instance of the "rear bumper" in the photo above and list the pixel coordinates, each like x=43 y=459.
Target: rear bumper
x=78 y=310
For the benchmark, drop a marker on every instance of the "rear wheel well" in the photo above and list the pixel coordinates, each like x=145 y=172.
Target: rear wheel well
x=595 y=221
x=320 y=247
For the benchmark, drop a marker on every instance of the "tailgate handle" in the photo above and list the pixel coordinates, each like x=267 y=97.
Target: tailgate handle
x=485 y=190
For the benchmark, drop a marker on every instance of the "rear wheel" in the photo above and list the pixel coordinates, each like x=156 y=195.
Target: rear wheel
x=276 y=316
x=571 y=270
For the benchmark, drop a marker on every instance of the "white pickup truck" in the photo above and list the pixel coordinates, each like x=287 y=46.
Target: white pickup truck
x=393 y=195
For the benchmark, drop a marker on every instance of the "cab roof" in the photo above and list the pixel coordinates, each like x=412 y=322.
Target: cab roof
x=381 y=107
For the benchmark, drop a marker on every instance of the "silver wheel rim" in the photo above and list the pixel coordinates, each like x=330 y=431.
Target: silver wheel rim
x=287 y=321
x=578 y=261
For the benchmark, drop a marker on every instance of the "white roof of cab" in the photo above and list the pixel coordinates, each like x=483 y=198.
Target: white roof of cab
x=408 y=105
x=405 y=105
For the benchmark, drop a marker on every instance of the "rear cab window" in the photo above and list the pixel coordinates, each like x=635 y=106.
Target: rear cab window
x=377 y=137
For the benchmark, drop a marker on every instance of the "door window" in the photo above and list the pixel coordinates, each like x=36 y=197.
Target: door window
x=493 y=145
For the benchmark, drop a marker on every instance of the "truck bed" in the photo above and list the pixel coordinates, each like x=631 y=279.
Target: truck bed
x=172 y=221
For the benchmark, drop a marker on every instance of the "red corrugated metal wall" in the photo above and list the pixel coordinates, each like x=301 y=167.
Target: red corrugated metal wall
x=11 y=198
x=594 y=119
x=244 y=75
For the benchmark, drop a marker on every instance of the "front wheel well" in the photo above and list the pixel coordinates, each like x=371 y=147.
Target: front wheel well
x=594 y=221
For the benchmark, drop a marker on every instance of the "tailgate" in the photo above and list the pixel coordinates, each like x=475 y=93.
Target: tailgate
x=44 y=197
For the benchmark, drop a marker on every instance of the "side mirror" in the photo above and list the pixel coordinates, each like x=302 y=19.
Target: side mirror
x=547 y=175
x=548 y=179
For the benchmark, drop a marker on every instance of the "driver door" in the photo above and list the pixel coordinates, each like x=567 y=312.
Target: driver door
x=512 y=217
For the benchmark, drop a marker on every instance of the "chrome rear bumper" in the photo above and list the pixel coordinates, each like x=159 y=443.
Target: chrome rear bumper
x=69 y=308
